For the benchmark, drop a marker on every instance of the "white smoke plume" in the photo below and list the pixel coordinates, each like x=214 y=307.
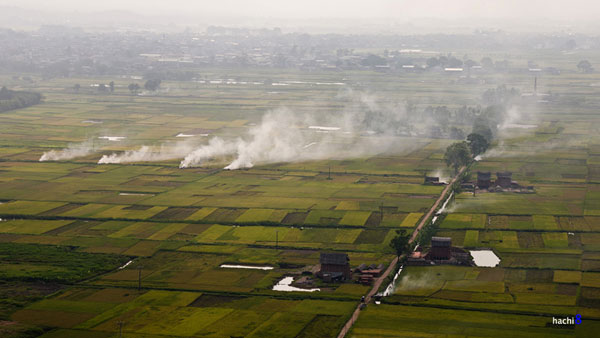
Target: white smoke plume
x=150 y=154
x=283 y=136
x=278 y=138
x=442 y=174
x=72 y=151
x=363 y=128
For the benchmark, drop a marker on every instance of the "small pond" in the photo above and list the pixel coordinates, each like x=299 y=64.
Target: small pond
x=485 y=258
x=286 y=285
x=234 y=266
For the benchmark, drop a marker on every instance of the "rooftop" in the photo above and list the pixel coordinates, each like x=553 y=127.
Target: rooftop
x=334 y=258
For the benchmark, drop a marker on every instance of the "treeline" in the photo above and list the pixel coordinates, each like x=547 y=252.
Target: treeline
x=485 y=125
x=10 y=99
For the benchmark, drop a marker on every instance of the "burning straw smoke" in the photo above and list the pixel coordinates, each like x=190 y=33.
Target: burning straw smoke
x=282 y=137
x=72 y=151
x=286 y=136
x=149 y=154
x=276 y=139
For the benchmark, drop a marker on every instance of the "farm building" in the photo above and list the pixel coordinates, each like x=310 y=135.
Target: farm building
x=440 y=248
x=431 y=180
x=484 y=179
x=503 y=183
x=368 y=273
x=504 y=179
x=335 y=267
x=441 y=252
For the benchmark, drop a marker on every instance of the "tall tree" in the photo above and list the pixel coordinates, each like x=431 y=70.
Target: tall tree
x=585 y=66
x=133 y=88
x=400 y=242
x=152 y=84
x=487 y=62
x=458 y=155
x=477 y=143
x=111 y=85
x=481 y=126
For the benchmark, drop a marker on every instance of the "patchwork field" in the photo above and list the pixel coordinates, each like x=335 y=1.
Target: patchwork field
x=169 y=230
x=139 y=245
x=548 y=242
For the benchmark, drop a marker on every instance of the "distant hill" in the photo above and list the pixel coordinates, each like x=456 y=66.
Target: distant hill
x=11 y=99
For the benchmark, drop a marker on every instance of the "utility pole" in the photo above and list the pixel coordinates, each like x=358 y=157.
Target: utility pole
x=140 y=277
x=329 y=175
x=120 y=323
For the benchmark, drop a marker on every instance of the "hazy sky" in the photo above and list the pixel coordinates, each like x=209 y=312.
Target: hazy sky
x=572 y=10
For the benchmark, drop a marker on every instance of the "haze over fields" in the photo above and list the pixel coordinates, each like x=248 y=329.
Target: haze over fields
x=299 y=169
x=389 y=16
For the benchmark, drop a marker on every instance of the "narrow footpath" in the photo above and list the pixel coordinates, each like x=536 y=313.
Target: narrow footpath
x=392 y=266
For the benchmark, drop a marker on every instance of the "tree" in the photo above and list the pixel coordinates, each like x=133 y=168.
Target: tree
x=487 y=62
x=585 y=66
x=482 y=127
x=477 y=143
x=133 y=88
x=102 y=87
x=111 y=85
x=5 y=94
x=457 y=155
x=76 y=87
x=400 y=242
x=570 y=44
x=470 y=63
x=152 y=84
x=10 y=99
x=457 y=134
x=454 y=62
x=432 y=62
x=373 y=60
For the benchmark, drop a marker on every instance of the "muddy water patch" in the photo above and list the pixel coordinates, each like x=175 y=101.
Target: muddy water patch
x=485 y=258
x=237 y=266
x=112 y=138
x=286 y=285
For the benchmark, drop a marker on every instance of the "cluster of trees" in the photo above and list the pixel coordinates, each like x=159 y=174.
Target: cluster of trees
x=500 y=95
x=484 y=127
x=104 y=88
x=585 y=66
x=400 y=243
x=150 y=85
x=10 y=99
x=134 y=88
x=446 y=61
x=462 y=153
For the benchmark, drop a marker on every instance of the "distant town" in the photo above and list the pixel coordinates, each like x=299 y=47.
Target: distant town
x=61 y=51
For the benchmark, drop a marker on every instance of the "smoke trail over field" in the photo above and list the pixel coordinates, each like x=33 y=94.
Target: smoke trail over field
x=72 y=151
x=150 y=154
x=363 y=128
x=276 y=139
x=283 y=136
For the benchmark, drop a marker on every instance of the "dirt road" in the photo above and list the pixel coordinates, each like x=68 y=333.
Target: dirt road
x=392 y=266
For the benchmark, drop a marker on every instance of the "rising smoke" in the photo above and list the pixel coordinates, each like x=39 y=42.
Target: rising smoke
x=285 y=136
x=150 y=154
x=365 y=127
x=72 y=151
